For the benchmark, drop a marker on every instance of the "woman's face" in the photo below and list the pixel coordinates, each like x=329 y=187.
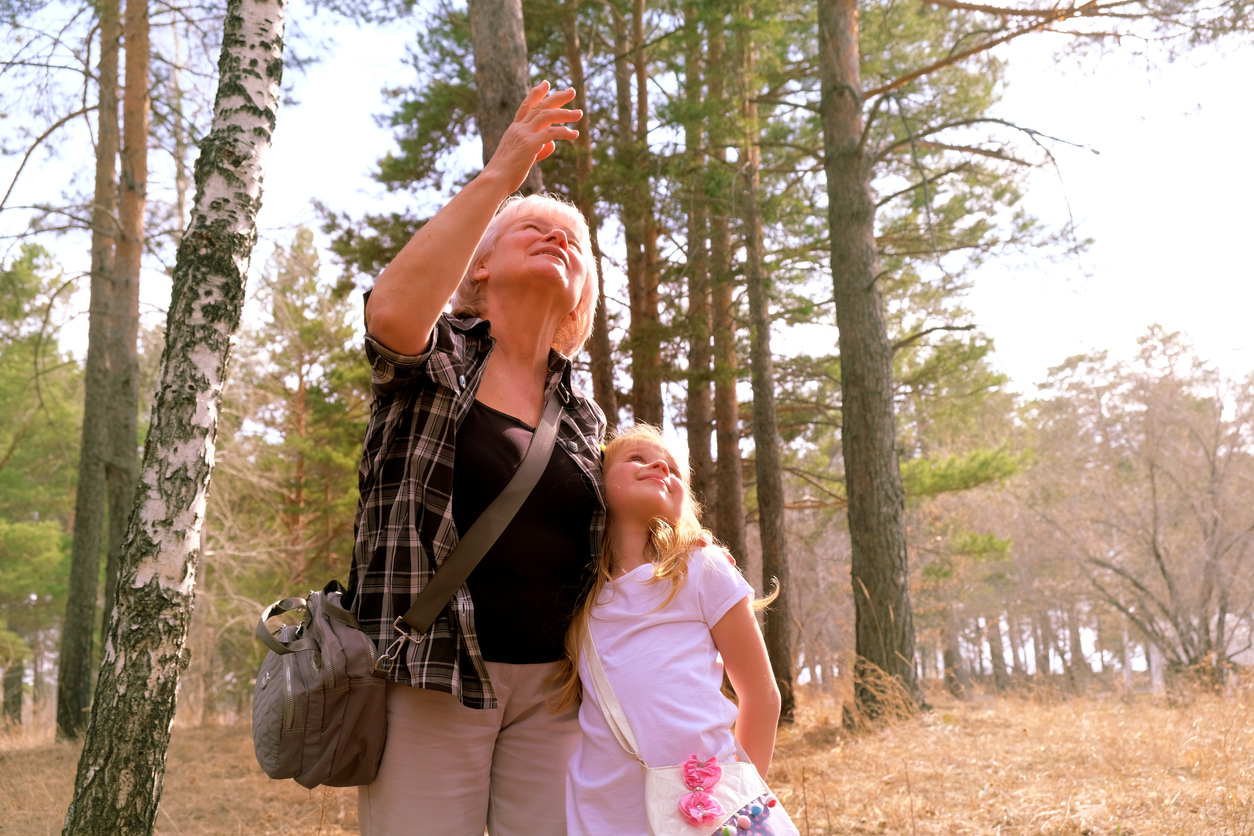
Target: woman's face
x=539 y=251
x=643 y=482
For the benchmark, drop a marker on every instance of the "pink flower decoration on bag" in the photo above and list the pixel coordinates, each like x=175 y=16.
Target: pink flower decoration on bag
x=700 y=808
x=701 y=775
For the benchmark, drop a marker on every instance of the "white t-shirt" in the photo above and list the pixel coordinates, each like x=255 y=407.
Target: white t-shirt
x=665 y=670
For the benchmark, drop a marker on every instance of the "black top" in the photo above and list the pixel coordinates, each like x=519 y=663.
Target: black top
x=526 y=586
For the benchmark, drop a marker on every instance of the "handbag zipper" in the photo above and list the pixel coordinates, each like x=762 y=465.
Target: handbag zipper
x=371 y=649
x=288 y=699
x=328 y=673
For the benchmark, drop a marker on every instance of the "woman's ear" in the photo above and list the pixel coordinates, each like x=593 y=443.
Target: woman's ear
x=479 y=270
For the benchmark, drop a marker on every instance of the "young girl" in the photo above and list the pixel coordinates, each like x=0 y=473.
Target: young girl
x=664 y=607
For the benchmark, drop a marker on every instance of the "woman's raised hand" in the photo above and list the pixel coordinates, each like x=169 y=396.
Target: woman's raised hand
x=537 y=126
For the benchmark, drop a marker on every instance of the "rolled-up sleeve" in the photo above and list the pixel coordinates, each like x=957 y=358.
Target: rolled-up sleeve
x=390 y=371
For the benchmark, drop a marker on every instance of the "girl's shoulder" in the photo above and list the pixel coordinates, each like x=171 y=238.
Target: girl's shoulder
x=713 y=561
x=715 y=581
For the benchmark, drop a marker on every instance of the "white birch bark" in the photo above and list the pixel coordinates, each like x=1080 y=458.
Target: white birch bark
x=122 y=767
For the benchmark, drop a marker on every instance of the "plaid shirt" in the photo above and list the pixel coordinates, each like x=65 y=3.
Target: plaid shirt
x=404 y=524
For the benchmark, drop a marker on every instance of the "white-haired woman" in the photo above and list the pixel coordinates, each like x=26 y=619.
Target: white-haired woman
x=456 y=399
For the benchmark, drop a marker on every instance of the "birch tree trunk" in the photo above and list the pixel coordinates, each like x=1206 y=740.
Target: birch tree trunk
x=501 y=74
x=74 y=673
x=884 y=623
x=777 y=627
x=122 y=469
x=122 y=767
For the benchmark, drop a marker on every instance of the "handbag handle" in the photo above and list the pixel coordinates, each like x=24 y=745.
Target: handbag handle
x=278 y=608
x=471 y=548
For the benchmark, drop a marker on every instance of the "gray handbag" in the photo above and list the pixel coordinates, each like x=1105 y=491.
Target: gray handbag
x=319 y=705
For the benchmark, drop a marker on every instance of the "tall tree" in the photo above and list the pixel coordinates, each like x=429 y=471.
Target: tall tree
x=74 y=676
x=40 y=403
x=635 y=198
x=729 y=511
x=699 y=411
x=501 y=77
x=884 y=621
x=600 y=348
x=122 y=469
x=766 y=442
x=121 y=770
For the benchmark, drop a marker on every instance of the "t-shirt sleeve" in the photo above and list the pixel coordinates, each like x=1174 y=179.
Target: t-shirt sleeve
x=390 y=371
x=719 y=584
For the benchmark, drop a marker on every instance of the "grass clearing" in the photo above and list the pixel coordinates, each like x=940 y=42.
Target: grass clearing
x=1010 y=767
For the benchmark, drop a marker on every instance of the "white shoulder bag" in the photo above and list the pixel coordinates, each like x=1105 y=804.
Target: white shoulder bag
x=695 y=798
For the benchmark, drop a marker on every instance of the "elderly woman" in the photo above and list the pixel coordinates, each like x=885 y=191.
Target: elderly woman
x=456 y=399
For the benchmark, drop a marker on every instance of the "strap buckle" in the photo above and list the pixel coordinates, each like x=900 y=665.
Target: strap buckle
x=395 y=647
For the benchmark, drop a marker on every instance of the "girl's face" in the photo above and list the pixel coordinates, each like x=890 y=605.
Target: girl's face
x=643 y=482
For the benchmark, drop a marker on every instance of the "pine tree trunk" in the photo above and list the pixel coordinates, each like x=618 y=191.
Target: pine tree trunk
x=699 y=408
x=646 y=361
x=600 y=350
x=951 y=654
x=122 y=470
x=884 y=623
x=778 y=622
x=13 y=674
x=502 y=74
x=122 y=767
x=75 y=666
x=1078 y=668
x=1040 y=644
x=1014 y=630
x=1001 y=680
x=729 y=509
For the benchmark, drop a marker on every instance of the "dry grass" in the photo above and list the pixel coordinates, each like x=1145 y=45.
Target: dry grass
x=1011 y=767
x=213 y=787
x=1025 y=768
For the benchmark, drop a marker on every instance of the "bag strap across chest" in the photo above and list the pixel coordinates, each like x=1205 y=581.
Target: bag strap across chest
x=471 y=548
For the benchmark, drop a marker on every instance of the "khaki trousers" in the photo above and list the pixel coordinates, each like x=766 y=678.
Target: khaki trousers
x=449 y=770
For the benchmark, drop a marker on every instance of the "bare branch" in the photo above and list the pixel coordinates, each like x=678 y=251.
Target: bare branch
x=39 y=141
x=915 y=337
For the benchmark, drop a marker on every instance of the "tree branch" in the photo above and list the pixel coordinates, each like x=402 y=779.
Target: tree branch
x=39 y=141
x=913 y=338
x=1052 y=16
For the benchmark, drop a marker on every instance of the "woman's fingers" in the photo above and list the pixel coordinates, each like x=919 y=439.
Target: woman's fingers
x=543 y=105
x=533 y=98
x=538 y=126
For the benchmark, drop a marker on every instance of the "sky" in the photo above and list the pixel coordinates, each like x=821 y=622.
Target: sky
x=1166 y=199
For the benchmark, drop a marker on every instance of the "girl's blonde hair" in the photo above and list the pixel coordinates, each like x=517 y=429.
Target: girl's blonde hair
x=671 y=543
x=470 y=300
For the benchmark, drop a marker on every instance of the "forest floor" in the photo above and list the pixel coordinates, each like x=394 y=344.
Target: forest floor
x=1088 y=767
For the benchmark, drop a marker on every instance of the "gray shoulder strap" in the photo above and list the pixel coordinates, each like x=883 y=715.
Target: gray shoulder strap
x=471 y=548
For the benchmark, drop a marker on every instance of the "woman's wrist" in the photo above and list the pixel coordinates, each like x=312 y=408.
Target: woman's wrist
x=495 y=184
